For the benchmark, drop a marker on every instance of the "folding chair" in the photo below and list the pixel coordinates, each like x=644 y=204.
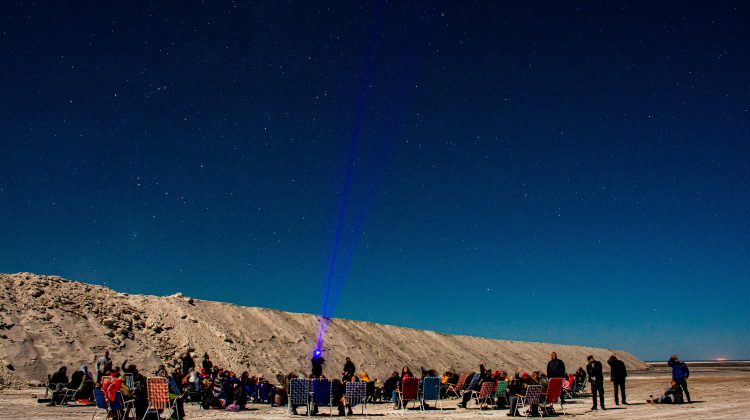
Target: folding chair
x=50 y=386
x=299 y=394
x=68 y=395
x=130 y=382
x=409 y=391
x=581 y=389
x=472 y=384
x=356 y=393
x=554 y=390
x=501 y=391
x=430 y=391
x=533 y=395
x=101 y=403
x=322 y=391
x=456 y=389
x=158 y=395
x=484 y=395
x=117 y=406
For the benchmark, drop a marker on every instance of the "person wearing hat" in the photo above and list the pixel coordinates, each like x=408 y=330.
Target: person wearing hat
x=680 y=374
x=596 y=378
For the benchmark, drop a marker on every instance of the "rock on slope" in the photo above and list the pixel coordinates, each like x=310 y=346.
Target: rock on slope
x=47 y=321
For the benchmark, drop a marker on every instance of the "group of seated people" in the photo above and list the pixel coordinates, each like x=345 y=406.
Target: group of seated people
x=215 y=388
x=210 y=386
x=517 y=385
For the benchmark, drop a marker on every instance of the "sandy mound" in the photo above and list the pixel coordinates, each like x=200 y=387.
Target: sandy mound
x=47 y=321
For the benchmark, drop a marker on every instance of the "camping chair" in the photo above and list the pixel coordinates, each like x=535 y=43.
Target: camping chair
x=158 y=396
x=409 y=391
x=472 y=384
x=501 y=391
x=554 y=390
x=128 y=406
x=484 y=395
x=175 y=390
x=430 y=391
x=322 y=390
x=456 y=389
x=299 y=394
x=533 y=395
x=51 y=386
x=69 y=394
x=568 y=388
x=101 y=403
x=581 y=389
x=356 y=393
x=116 y=407
x=131 y=383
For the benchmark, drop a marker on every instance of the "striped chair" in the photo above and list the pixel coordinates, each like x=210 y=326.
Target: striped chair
x=484 y=396
x=158 y=396
x=501 y=391
x=356 y=393
x=456 y=389
x=532 y=397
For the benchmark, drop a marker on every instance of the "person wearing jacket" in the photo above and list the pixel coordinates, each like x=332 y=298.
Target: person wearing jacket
x=348 y=371
x=556 y=369
x=680 y=374
x=617 y=374
x=596 y=378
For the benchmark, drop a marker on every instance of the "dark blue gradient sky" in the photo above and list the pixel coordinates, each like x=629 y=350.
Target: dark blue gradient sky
x=572 y=174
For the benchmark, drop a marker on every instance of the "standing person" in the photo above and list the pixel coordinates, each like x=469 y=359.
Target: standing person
x=187 y=363
x=680 y=374
x=618 y=373
x=556 y=369
x=317 y=364
x=207 y=363
x=596 y=378
x=103 y=366
x=349 y=370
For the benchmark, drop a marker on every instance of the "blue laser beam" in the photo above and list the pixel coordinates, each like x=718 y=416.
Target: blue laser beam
x=342 y=257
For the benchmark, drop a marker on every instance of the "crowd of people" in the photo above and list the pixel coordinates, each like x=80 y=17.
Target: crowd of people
x=213 y=387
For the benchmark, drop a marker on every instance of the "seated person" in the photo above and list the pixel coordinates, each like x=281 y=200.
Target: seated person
x=58 y=379
x=671 y=395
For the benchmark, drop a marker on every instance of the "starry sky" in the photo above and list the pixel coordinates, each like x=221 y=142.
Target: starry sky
x=571 y=173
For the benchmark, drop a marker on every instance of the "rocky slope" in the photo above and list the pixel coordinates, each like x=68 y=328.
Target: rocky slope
x=47 y=321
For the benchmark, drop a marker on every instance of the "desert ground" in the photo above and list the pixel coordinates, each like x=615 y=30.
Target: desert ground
x=719 y=392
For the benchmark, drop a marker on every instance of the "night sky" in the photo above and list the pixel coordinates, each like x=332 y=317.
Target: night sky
x=571 y=173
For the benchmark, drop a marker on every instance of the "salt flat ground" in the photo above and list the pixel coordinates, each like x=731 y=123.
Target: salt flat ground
x=718 y=392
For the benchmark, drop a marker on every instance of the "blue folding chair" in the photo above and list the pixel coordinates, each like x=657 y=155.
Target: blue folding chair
x=299 y=394
x=430 y=392
x=101 y=403
x=322 y=390
x=356 y=393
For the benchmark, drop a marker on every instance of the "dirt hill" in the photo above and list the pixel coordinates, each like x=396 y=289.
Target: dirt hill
x=47 y=321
